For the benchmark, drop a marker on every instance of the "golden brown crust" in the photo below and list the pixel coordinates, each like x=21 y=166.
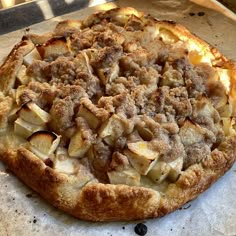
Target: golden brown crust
x=104 y=202
x=12 y=64
x=5 y=107
x=216 y=57
x=84 y=197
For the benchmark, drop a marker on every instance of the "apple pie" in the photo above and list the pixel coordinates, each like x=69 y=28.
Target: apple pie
x=117 y=117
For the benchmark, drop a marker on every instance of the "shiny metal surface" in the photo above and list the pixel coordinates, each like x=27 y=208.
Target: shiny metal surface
x=32 y=12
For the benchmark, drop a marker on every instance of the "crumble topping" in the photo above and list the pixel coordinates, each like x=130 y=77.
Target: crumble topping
x=124 y=95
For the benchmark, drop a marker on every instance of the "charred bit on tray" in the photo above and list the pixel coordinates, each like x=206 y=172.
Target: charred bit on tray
x=140 y=229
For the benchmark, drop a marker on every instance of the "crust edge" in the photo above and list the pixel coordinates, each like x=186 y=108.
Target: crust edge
x=99 y=202
x=106 y=202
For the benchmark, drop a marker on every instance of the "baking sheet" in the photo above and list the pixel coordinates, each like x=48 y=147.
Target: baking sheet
x=23 y=212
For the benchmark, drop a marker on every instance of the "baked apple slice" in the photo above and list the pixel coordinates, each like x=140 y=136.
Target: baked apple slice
x=53 y=48
x=112 y=129
x=127 y=176
x=191 y=133
x=33 y=114
x=25 y=129
x=78 y=145
x=43 y=143
x=92 y=120
x=141 y=156
x=30 y=57
x=63 y=163
x=21 y=75
x=159 y=172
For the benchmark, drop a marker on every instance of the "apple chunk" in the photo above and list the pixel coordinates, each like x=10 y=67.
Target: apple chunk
x=141 y=156
x=21 y=75
x=176 y=168
x=226 y=111
x=78 y=145
x=228 y=126
x=112 y=129
x=128 y=176
x=53 y=48
x=62 y=163
x=162 y=171
x=93 y=115
x=66 y=166
x=25 y=129
x=92 y=120
x=43 y=143
x=191 y=133
x=31 y=57
x=33 y=114
x=204 y=108
x=159 y=172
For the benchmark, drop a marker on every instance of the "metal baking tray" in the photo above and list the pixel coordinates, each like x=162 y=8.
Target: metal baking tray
x=28 y=13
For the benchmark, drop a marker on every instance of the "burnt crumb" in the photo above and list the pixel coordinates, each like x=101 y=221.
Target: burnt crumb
x=171 y=229
x=48 y=162
x=185 y=208
x=33 y=221
x=191 y=13
x=201 y=13
x=5 y=186
x=13 y=199
x=24 y=38
x=29 y=195
x=170 y=22
x=140 y=229
x=16 y=211
x=123 y=227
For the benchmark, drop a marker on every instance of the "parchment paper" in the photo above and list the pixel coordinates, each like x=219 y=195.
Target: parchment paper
x=23 y=212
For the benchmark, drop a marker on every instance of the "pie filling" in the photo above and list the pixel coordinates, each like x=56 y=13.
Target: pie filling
x=123 y=99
